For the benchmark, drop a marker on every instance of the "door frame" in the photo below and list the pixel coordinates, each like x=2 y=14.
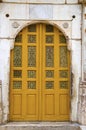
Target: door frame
x=41 y=31
x=75 y=49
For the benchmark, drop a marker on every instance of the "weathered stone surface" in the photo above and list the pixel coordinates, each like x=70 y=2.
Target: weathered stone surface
x=0 y=100
x=46 y=11
x=21 y=1
x=40 y=126
x=72 y=1
x=36 y=1
x=76 y=66
x=82 y=103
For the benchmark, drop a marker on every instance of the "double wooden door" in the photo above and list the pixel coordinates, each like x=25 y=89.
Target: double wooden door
x=40 y=75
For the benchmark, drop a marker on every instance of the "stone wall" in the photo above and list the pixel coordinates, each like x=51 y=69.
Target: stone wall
x=82 y=104
x=82 y=87
x=0 y=101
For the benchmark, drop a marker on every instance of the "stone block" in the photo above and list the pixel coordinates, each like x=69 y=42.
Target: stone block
x=16 y=1
x=72 y=1
x=76 y=70
x=47 y=1
x=82 y=104
x=18 y=11
x=41 y=12
x=72 y=13
x=4 y=21
x=76 y=28
x=66 y=12
x=46 y=126
x=36 y=1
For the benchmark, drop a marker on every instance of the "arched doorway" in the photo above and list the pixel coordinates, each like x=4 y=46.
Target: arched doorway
x=40 y=75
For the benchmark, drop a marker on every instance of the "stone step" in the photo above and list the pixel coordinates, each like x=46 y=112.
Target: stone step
x=39 y=126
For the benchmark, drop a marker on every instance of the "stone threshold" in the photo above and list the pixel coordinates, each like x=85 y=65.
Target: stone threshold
x=40 y=126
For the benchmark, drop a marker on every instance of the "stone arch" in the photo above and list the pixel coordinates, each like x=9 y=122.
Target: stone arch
x=64 y=27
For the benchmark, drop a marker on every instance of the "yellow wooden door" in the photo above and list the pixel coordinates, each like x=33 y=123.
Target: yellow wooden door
x=40 y=75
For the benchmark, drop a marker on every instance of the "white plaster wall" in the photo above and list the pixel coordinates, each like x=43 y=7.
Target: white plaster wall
x=5 y=45
x=84 y=43
x=20 y=15
x=76 y=73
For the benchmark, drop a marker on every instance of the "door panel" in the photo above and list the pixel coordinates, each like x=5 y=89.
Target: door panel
x=49 y=104
x=17 y=104
x=40 y=75
x=31 y=101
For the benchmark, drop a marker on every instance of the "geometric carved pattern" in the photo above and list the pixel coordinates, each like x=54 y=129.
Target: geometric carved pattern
x=17 y=73
x=32 y=56
x=49 y=56
x=17 y=56
x=31 y=85
x=63 y=84
x=49 y=84
x=49 y=74
x=18 y=39
x=63 y=74
x=31 y=74
x=49 y=28
x=63 y=56
x=32 y=39
x=49 y=39
x=32 y=28
x=17 y=84
x=62 y=39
